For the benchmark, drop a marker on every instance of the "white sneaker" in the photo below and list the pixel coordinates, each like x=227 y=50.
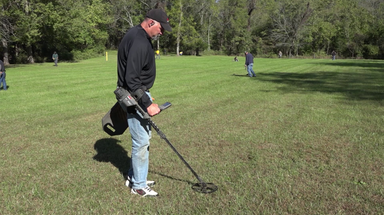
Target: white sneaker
x=128 y=183
x=145 y=192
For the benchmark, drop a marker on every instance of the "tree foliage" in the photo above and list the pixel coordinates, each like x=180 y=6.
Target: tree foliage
x=32 y=29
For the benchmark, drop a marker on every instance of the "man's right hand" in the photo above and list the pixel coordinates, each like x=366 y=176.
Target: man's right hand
x=153 y=109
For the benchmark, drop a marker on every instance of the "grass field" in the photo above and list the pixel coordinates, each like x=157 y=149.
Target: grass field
x=303 y=137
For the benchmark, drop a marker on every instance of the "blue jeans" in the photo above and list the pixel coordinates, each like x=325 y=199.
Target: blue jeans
x=251 y=73
x=2 y=80
x=141 y=134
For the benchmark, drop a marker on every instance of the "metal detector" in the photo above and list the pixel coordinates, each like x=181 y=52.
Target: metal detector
x=126 y=100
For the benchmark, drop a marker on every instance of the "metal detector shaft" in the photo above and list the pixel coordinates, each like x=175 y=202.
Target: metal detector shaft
x=126 y=100
x=162 y=135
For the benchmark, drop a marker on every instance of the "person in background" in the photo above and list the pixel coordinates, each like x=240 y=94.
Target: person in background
x=136 y=70
x=55 y=57
x=280 y=54
x=249 y=64
x=333 y=55
x=2 y=75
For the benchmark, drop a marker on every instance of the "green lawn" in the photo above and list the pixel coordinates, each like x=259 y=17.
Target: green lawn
x=306 y=136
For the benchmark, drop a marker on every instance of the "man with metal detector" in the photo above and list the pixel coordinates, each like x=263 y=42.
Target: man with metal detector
x=249 y=64
x=136 y=73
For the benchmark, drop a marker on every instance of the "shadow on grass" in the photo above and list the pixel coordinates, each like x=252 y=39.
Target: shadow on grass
x=15 y=66
x=2 y=88
x=351 y=85
x=109 y=150
x=172 y=178
x=246 y=75
x=370 y=65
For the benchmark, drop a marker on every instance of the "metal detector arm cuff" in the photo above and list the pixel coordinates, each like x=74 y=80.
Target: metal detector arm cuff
x=138 y=94
x=141 y=97
x=126 y=100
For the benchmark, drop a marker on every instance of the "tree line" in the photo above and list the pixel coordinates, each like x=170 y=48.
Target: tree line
x=31 y=30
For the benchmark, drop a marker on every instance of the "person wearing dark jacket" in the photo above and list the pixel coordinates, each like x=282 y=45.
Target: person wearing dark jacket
x=55 y=57
x=2 y=75
x=136 y=71
x=249 y=64
x=333 y=55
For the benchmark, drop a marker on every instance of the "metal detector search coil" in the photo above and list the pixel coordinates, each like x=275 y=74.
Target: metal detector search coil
x=204 y=187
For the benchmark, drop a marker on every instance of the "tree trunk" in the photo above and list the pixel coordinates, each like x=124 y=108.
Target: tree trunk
x=179 y=31
x=209 y=29
x=251 y=7
x=5 y=55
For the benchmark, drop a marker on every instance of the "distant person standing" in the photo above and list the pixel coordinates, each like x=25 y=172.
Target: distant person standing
x=249 y=64
x=280 y=54
x=55 y=57
x=2 y=75
x=333 y=55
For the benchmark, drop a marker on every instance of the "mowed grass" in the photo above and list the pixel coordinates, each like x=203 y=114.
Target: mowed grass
x=303 y=137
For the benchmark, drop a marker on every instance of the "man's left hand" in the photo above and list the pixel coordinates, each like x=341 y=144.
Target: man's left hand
x=153 y=109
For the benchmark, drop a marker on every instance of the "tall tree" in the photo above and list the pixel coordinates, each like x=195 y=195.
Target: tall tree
x=26 y=16
x=32 y=29
x=231 y=31
x=184 y=30
x=290 y=21
x=73 y=29
x=374 y=43
x=124 y=15
x=251 y=6
x=324 y=27
x=6 y=29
